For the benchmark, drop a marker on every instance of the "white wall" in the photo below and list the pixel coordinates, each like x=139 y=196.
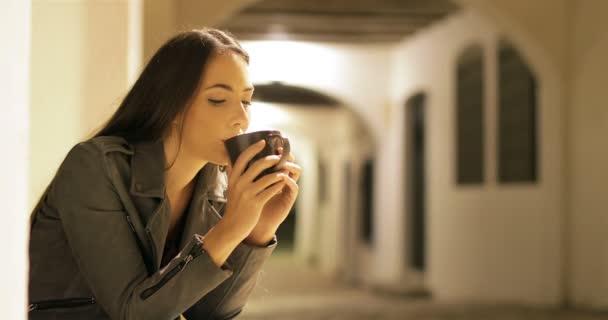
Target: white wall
x=80 y=71
x=14 y=132
x=571 y=34
x=56 y=97
x=588 y=154
x=487 y=243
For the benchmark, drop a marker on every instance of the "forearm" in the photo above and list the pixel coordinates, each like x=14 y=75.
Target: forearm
x=221 y=240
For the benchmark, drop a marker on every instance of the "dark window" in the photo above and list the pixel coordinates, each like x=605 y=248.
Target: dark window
x=470 y=116
x=322 y=180
x=416 y=210
x=516 y=118
x=367 y=182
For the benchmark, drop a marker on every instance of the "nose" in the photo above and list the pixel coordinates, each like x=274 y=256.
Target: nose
x=240 y=118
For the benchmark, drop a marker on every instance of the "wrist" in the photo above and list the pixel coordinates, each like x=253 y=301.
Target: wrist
x=232 y=230
x=260 y=235
x=220 y=241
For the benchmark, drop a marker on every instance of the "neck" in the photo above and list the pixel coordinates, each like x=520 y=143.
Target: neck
x=184 y=167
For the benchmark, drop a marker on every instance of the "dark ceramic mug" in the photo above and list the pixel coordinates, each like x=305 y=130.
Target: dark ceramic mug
x=274 y=141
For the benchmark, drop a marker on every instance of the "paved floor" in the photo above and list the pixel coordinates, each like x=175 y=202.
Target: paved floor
x=286 y=291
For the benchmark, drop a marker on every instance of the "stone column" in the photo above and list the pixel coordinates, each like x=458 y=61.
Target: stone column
x=84 y=56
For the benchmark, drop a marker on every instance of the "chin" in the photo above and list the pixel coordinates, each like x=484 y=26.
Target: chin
x=217 y=156
x=220 y=161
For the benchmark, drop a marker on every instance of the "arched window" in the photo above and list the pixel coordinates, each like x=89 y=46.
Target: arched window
x=516 y=117
x=470 y=116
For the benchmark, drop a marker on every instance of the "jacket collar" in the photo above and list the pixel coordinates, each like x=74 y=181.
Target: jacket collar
x=148 y=169
x=148 y=174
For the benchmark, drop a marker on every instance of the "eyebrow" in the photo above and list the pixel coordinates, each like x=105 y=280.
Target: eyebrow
x=226 y=87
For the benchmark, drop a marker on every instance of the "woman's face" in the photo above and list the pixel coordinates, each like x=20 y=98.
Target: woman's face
x=220 y=109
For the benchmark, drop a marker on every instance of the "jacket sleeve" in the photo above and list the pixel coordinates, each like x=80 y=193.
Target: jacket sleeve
x=228 y=300
x=106 y=251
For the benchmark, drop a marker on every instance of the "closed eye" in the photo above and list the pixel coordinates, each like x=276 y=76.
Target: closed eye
x=247 y=103
x=216 y=101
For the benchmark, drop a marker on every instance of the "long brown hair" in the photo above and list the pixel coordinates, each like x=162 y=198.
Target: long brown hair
x=167 y=84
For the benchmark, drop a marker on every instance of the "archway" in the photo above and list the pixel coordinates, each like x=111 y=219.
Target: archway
x=334 y=145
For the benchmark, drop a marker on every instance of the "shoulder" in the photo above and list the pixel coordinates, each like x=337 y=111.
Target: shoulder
x=108 y=144
x=84 y=175
x=101 y=145
x=92 y=156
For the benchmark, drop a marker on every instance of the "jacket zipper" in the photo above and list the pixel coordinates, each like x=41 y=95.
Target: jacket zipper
x=194 y=252
x=63 y=303
x=149 y=264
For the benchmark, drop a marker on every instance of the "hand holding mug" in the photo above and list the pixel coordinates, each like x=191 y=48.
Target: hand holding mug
x=272 y=167
x=247 y=196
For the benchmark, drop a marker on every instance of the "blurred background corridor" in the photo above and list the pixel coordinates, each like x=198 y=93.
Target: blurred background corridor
x=454 y=151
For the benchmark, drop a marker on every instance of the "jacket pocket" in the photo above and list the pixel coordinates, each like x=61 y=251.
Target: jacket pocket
x=61 y=303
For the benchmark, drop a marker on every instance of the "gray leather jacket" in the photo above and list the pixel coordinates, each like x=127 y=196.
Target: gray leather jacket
x=98 y=234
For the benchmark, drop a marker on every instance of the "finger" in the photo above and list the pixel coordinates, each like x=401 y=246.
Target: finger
x=246 y=156
x=292 y=169
x=289 y=158
x=267 y=194
x=258 y=166
x=292 y=185
x=266 y=181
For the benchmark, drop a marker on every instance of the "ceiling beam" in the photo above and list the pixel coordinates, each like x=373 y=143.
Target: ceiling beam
x=358 y=6
x=325 y=23
x=336 y=20
x=322 y=37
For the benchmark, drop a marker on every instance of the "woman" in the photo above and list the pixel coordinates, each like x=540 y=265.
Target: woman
x=148 y=219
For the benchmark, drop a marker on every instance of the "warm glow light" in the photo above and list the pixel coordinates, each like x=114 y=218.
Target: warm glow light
x=266 y=116
x=292 y=62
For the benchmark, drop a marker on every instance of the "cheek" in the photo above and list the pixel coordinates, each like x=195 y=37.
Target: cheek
x=193 y=131
x=197 y=121
x=203 y=135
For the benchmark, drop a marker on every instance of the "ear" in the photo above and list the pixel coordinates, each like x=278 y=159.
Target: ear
x=178 y=120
